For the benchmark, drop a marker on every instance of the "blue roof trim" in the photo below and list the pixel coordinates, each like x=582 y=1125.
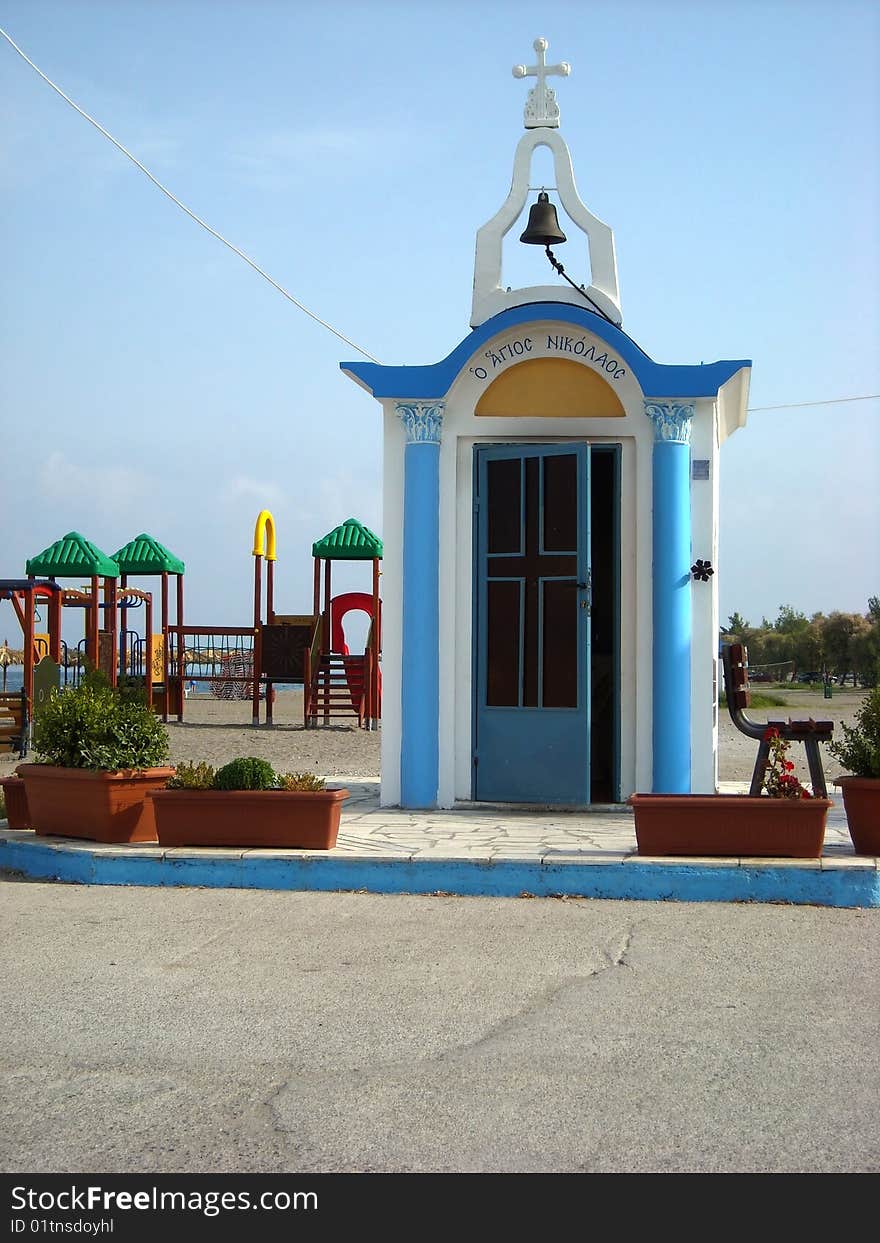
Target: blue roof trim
x=655 y=379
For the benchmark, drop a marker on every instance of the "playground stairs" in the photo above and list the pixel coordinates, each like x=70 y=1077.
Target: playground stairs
x=337 y=688
x=13 y=722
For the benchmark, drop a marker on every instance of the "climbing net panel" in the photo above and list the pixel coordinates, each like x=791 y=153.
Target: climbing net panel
x=224 y=658
x=235 y=678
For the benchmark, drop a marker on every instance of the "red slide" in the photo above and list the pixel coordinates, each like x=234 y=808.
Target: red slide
x=339 y=606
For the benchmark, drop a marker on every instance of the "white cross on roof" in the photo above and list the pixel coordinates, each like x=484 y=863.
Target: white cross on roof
x=541 y=107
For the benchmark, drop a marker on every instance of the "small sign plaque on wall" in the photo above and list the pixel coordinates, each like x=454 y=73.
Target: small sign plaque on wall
x=700 y=468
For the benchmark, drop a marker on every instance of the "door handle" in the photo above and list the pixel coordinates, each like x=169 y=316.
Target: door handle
x=588 y=588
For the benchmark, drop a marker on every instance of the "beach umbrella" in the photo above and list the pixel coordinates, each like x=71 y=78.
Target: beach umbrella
x=6 y=659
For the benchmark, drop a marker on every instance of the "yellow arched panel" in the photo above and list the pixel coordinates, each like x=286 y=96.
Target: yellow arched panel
x=264 y=536
x=550 y=388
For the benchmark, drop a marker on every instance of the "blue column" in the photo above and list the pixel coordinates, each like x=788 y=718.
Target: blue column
x=420 y=679
x=672 y=595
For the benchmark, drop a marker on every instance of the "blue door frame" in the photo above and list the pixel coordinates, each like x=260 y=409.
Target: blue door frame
x=532 y=623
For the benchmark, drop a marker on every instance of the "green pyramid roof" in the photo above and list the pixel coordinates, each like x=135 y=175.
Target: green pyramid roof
x=351 y=541
x=72 y=556
x=145 y=555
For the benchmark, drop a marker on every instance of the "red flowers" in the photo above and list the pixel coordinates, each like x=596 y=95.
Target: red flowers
x=779 y=778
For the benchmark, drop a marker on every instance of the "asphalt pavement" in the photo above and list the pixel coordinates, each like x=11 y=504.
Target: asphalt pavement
x=185 y=1030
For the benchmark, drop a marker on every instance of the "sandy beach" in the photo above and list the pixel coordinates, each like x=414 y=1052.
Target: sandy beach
x=216 y=731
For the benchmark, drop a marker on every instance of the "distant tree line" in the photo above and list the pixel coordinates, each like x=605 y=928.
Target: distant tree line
x=841 y=645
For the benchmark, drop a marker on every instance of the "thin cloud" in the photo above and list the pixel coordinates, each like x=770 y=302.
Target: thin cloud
x=105 y=487
x=258 y=489
x=288 y=156
x=40 y=145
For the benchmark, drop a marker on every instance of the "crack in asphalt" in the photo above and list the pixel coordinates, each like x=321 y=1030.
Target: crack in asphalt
x=542 y=1000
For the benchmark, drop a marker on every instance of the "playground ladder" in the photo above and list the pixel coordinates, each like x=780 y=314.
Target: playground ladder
x=337 y=688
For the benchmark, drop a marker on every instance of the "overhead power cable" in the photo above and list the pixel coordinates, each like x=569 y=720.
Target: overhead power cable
x=235 y=250
x=831 y=401
x=182 y=206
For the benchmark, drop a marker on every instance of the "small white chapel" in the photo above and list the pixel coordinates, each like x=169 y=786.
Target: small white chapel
x=550 y=609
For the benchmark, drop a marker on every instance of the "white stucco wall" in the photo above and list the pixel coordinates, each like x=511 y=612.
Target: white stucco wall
x=704 y=603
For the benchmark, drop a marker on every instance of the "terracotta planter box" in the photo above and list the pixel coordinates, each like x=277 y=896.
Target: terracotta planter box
x=17 y=814
x=287 y=819
x=729 y=824
x=861 y=800
x=97 y=806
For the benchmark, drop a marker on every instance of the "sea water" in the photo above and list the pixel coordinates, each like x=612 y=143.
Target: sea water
x=15 y=681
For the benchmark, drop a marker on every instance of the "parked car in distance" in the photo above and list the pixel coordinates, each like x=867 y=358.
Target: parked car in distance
x=809 y=677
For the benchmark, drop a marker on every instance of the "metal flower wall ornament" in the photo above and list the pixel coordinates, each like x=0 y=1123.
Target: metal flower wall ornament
x=702 y=571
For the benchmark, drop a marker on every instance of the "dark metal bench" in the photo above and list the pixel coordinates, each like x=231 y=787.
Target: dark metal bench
x=735 y=660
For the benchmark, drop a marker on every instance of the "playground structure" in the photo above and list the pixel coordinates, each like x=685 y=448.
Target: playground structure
x=73 y=556
x=336 y=681
x=109 y=644
x=24 y=595
x=248 y=662
x=148 y=656
x=238 y=662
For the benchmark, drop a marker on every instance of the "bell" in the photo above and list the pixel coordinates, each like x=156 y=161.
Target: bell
x=543 y=227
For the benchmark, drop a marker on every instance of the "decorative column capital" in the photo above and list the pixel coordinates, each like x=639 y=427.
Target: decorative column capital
x=423 y=420
x=671 y=419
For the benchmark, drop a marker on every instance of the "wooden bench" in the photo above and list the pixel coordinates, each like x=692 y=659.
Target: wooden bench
x=735 y=660
x=13 y=723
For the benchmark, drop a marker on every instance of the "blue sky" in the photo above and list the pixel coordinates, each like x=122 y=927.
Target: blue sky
x=151 y=381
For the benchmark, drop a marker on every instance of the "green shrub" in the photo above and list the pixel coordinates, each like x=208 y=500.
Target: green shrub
x=246 y=774
x=300 y=781
x=859 y=752
x=131 y=689
x=96 y=726
x=242 y=774
x=192 y=777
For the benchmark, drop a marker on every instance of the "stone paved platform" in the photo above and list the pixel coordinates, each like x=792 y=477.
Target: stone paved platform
x=473 y=849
